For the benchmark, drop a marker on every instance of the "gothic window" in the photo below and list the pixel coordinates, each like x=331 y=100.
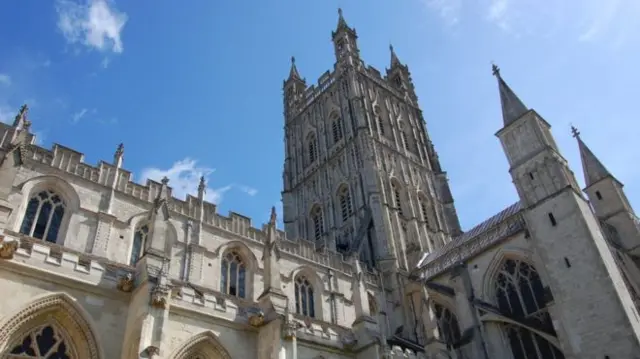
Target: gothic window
x=312 y=147
x=373 y=306
x=447 y=323
x=397 y=199
x=521 y=295
x=398 y=81
x=305 y=304
x=423 y=208
x=233 y=274
x=379 y=121
x=43 y=216
x=336 y=128
x=405 y=141
x=318 y=223
x=139 y=241
x=346 y=208
x=43 y=343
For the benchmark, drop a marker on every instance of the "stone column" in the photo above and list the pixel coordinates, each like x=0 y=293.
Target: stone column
x=466 y=311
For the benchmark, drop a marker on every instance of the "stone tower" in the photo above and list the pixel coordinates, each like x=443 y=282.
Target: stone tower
x=586 y=288
x=360 y=173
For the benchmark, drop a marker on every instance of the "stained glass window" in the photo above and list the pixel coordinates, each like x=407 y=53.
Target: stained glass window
x=44 y=343
x=520 y=294
x=234 y=274
x=305 y=304
x=43 y=216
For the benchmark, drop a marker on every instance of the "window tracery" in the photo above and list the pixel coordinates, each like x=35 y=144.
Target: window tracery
x=139 y=241
x=318 y=223
x=312 y=148
x=447 y=324
x=43 y=216
x=44 y=342
x=233 y=275
x=305 y=301
x=336 y=128
x=520 y=293
x=346 y=207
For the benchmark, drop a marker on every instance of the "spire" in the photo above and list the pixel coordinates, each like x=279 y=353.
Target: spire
x=512 y=106
x=293 y=73
x=342 y=23
x=202 y=187
x=394 y=58
x=21 y=118
x=593 y=169
x=118 y=155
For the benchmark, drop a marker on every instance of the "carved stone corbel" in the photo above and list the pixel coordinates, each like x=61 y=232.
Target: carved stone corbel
x=256 y=317
x=160 y=296
x=125 y=283
x=152 y=351
x=8 y=247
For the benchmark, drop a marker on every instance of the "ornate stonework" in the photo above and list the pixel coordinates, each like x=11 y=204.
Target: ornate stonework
x=8 y=247
x=125 y=283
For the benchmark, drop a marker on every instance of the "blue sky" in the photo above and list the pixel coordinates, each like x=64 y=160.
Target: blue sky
x=195 y=88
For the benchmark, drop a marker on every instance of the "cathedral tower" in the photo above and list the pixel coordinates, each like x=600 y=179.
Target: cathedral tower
x=594 y=313
x=360 y=172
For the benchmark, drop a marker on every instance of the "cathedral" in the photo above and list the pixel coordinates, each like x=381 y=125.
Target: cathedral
x=371 y=262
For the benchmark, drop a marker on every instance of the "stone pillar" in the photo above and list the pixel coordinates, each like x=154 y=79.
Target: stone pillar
x=466 y=311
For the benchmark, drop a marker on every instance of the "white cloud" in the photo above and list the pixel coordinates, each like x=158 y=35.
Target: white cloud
x=448 y=10
x=96 y=24
x=184 y=178
x=5 y=79
x=248 y=190
x=78 y=115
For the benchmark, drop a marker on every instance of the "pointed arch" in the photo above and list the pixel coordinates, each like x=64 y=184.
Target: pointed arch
x=446 y=319
x=53 y=312
x=47 y=204
x=488 y=287
x=337 y=126
x=205 y=344
x=307 y=288
x=311 y=147
x=515 y=286
x=397 y=195
x=316 y=215
x=345 y=201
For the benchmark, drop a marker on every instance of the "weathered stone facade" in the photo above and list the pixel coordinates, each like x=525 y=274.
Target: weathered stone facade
x=372 y=263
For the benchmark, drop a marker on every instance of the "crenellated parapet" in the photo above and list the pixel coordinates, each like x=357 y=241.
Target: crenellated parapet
x=71 y=162
x=68 y=263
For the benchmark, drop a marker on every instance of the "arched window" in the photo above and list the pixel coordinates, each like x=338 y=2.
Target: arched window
x=397 y=198
x=336 y=129
x=346 y=208
x=43 y=216
x=305 y=303
x=139 y=241
x=44 y=342
x=318 y=223
x=233 y=275
x=447 y=323
x=520 y=294
x=378 y=120
x=312 y=148
x=423 y=208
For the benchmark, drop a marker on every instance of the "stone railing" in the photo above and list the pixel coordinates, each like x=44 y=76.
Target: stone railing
x=66 y=262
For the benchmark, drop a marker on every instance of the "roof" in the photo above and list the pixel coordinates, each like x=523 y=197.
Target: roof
x=475 y=232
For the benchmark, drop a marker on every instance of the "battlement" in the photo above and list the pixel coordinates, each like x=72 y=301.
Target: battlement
x=66 y=262
x=72 y=162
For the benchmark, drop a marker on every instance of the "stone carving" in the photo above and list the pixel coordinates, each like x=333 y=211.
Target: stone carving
x=348 y=339
x=256 y=316
x=160 y=296
x=290 y=328
x=152 y=351
x=8 y=247
x=125 y=283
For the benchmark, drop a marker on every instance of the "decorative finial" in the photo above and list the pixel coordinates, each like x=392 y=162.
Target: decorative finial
x=391 y=47
x=120 y=150
x=165 y=180
x=495 y=70
x=575 y=132
x=24 y=109
x=272 y=219
x=293 y=60
x=340 y=12
x=202 y=184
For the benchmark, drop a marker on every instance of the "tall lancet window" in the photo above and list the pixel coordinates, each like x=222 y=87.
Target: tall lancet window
x=43 y=216
x=305 y=302
x=312 y=148
x=346 y=209
x=336 y=129
x=318 y=223
x=233 y=275
x=139 y=241
x=397 y=198
x=520 y=294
